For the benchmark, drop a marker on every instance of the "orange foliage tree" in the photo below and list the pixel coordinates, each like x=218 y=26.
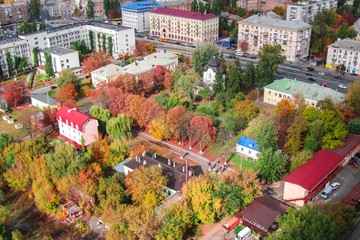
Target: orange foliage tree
x=203 y=128
x=13 y=93
x=67 y=92
x=97 y=60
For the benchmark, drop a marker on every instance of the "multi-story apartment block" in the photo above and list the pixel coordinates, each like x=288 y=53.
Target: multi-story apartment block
x=136 y=14
x=293 y=36
x=184 y=26
x=344 y=52
x=306 y=11
x=76 y=127
x=98 y=8
x=123 y=39
x=62 y=58
x=179 y=4
x=13 y=12
x=249 y=4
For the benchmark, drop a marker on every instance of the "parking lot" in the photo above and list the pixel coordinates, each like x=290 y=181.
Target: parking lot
x=348 y=177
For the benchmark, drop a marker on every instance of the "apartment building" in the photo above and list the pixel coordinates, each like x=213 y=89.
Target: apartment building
x=259 y=30
x=123 y=39
x=344 y=52
x=62 y=58
x=98 y=8
x=268 y=5
x=306 y=10
x=184 y=26
x=249 y=4
x=285 y=89
x=13 y=12
x=76 y=127
x=136 y=14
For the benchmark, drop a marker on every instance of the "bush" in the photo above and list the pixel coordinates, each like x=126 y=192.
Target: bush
x=31 y=80
x=238 y=228
x=354 y=125
x=210 y=111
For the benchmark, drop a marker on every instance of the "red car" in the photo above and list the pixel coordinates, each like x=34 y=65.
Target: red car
x=324 y=84
x=354 y=165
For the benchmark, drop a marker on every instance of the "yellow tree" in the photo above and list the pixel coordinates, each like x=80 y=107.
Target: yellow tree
x=158 y=128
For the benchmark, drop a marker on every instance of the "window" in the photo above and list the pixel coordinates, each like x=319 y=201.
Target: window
x=269 y=92
x=280 y=95
x=275 y=94
x=249 y=151
x=242 y=149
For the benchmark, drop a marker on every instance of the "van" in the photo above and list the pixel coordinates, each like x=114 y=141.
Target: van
x=231 y=224
x=243 y=234
x=239 y=53
x=326 y=193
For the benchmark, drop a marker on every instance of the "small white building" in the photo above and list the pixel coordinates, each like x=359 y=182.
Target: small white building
x=62 y=58
x=136 y=14
x=248 y=147
x=76 y=127
x=210 y=70
x=105 y=74
x=42 y=100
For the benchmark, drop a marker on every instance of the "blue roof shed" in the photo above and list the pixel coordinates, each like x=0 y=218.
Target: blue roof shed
x=248 y=142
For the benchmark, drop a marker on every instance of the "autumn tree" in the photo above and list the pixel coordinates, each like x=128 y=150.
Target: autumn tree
x=26 y=118
x=67 y=77
x=111 y=192
x=203 y=128
x=5 y=140
x=97 y=60
x=185 y=85
x=67 y=92
x=244 y=46
x=13 y=93
x=285 y=113
x=202 y=54
x=50 y=116
x=295 y=134
x=270 y=56
x=353 y=96
x=247 y=109
x=119 y=127
x=334 y=129
x=158 y=128
x=178 y=121
x=168 y=81
x=146 y=186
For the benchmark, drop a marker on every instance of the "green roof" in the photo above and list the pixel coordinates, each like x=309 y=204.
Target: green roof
x=308 y=90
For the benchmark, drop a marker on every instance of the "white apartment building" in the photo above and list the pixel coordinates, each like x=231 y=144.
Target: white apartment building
x=123 y=39
x=184 y=26
x=345 y=51
x=62 y=58
x=136 y=14
x=259 y=30
x=306 y=10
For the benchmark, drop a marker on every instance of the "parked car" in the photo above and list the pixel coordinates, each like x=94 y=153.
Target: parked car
x=239 y=53
x=335 y=185
x=338 y=77
x=253 y=57
x=342 y=86
x=308 y=74
x=321 y=73
x=312 y=79
x=324 y=84
x=279 y=73
x=355 y=160
x=310 y=68
x=327 y=192
x=354 y=165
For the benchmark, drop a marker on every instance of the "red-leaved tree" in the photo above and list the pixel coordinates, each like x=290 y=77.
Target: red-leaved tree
x=178 y=120
x=13 y=93
x=97 y=60
x=202 y=129
x=67 y=92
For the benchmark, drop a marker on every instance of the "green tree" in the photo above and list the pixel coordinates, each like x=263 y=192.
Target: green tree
x=102 y=115
x=266 y=135
x=219 y=83
x=99 y=40
x=234 y=78
x=294 y=135
x=216 y=7
x=35 y=53
x=35 y=8
x=194 y=6
x=91 y=39
x=104 y=42
x=272 y=165
x=300 y=158
x=234 y=32
x=111 y=192
x=42 y=26
x=202 y=54
x=201 y=7
x=270 y=56
x=280 y=11
x=90 y=9
x=110 y=46
x=249 y=77
x=48 y=64
x=352 y=97
x=5 y=140
x=318 y=225
x=9 y=63
x=353 y=126
x=16 y=235
x=186 y=84
x=334 y=129
x=66 y=77
x=119 y=127
x=234 y=124
x=20 y=63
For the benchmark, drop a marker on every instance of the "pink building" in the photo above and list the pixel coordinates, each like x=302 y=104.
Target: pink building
x=184 y=26
x=249 y=4
x=99 y=8
x=77 y=127
x=271 y=4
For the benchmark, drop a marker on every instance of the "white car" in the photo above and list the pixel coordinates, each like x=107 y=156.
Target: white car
x=335 y=185
x=342 y=86
x=321 y=73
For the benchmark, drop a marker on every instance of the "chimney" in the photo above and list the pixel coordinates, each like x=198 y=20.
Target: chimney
x=183 y=169
x=159 y=165
x=144 y=153
x=154 y=155
x=144 y=163
x=169 y=162
x=174 y=164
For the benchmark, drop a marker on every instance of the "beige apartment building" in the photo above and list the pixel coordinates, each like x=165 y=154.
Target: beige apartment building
x=184 y=26
x=260 y=30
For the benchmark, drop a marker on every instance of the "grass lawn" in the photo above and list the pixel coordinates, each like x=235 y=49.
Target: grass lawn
x=53 y=92
x=10 y=129
x=244 y=162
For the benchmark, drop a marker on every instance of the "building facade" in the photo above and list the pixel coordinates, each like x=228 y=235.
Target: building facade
x=312 y=93
x=136 y=14
x=99 y=11
x=344 y=52
x=306 y=10
x=247 y=146
x=184 y=26
x=13 y=12
x=123 y=40
x=76 y=127
x=210 y=69
x=249 y=4
x=62 y=58
x=259 y=30
x=268 y=5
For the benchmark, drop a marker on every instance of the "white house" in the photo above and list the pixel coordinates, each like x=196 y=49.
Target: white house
x=210 y=70
x=62 y=58
x=248 y=147
x=76 y=127
x=136 y=14
x=105 y=74
x=42 y=100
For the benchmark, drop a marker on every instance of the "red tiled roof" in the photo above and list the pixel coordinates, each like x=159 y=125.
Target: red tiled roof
x=42 y=67
x=312 y=173
x=352 y=195
x=73 y=116
x=183 y=13
x=351 y=142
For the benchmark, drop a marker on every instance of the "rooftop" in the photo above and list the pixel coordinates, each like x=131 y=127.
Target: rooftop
x=44 y=98
x=312 y=173
x=71 y=116
x=140 y=6
x=183 y=14
x=352 y=141
x=248 y=142
x=175 y=172
x=59 y=50
x=261 y=20
x=108 y=70
x=347 y=43
x=308 y=90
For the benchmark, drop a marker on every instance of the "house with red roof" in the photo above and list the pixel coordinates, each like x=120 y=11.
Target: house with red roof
x=310 y=178
x=184 y=26
x=76 y=127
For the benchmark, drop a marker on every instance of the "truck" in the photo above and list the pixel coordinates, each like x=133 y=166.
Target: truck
x=231 y=224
